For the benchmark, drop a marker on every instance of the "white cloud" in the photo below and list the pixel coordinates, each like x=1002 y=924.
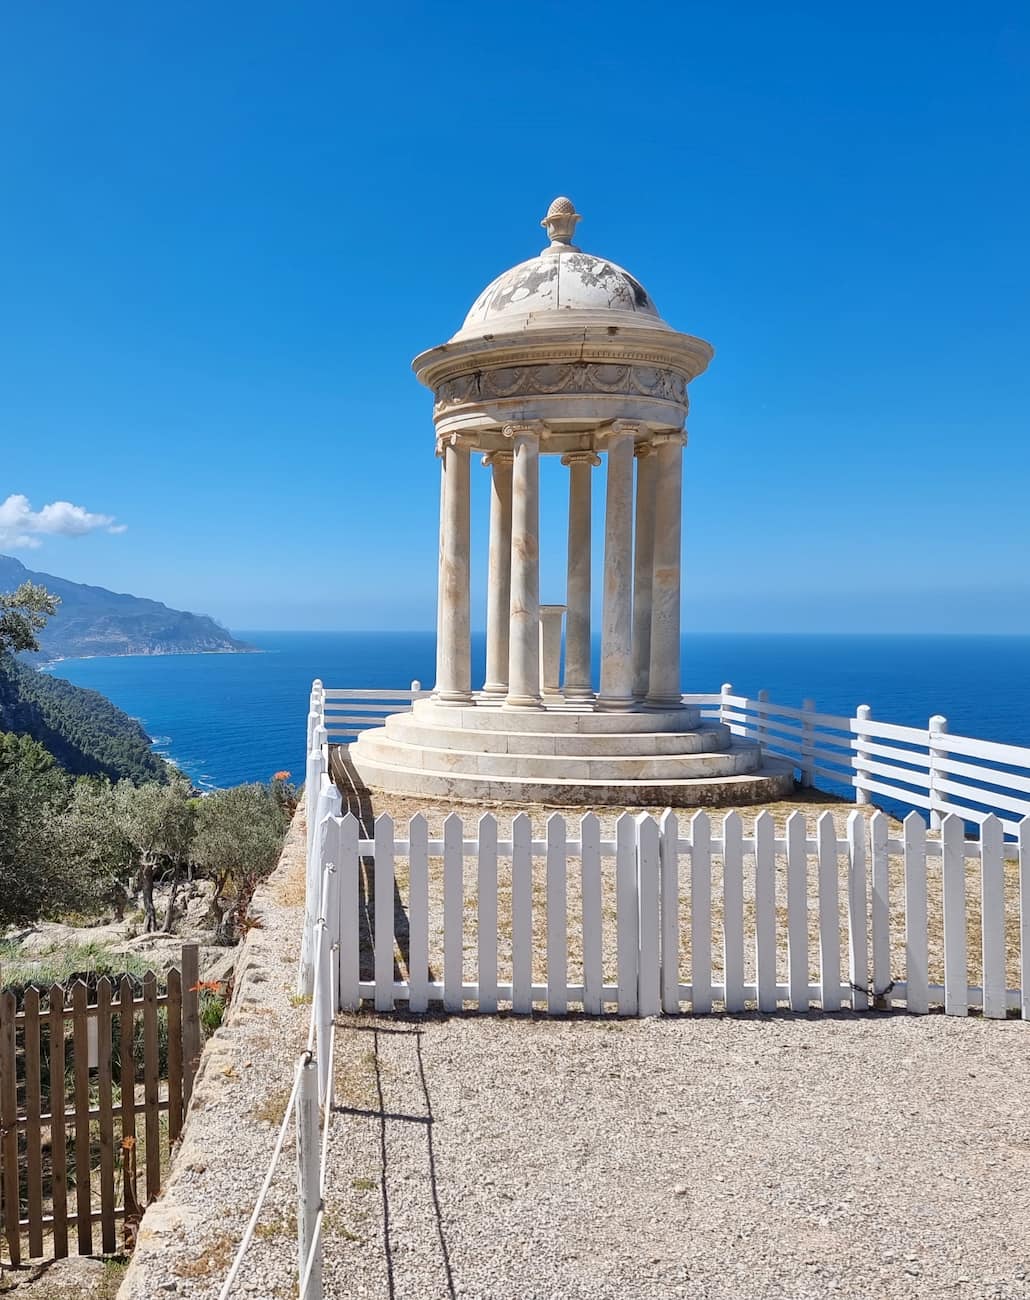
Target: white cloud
x=21 y=526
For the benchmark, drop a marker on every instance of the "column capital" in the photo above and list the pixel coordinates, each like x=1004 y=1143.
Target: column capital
x=622 y=428
x=459 y=440
x=581 y=458
x=534 y=428
x=503 y=457
x=679 y=436
x=643 y=449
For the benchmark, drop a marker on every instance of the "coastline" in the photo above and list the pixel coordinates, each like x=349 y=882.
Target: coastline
x=143 y=654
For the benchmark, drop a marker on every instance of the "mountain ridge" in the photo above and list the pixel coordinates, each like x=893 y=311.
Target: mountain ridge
x=93 y=621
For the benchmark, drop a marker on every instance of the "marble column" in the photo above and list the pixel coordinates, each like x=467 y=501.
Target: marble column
x=617 y=604
x=453 y=647
x=524 y=646
x=643 y=564
x=577 y=618
x=498 y=592
x=665 y=691
x=550 y=649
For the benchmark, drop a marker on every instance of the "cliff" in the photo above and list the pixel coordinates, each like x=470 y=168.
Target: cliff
x=94 y=621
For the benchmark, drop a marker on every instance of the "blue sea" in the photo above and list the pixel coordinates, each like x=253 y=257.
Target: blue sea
x=230 y=718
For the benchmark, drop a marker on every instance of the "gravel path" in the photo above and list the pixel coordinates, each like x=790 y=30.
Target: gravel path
x=724 y=1159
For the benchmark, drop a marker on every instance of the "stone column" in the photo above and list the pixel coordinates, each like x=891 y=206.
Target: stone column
x=665 y=691
x=577 y=618
x=643 y=565
x=617 y=605
x=453 y=647
x=524 y=647
x=498 y=592
x=550 y=649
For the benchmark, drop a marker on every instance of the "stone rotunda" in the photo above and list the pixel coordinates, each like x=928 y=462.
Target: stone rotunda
x=564 y=355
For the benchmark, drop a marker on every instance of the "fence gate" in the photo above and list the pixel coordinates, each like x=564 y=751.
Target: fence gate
x=80 y=1068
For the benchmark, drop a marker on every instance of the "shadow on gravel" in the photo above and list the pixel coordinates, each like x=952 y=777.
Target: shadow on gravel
x=386 y=1117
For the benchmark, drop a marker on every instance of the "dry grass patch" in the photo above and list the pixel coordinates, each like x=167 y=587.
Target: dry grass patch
x=216 y=1257
x=272 y=1108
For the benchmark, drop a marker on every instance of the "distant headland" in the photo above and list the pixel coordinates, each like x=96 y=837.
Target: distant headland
x=92 y=622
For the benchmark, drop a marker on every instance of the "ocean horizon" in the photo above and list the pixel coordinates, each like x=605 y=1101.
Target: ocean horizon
x=228 y=718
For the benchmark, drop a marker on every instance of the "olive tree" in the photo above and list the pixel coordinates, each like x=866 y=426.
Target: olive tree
x=23 y=613
x=238 y=840
x=157 y=823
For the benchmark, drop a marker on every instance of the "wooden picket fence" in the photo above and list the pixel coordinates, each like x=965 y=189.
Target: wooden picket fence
x=60 y=1068
x=673 y=914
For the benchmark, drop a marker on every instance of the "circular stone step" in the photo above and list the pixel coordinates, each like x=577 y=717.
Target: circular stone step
x=378 y=747
x=773 y=780
x=553 y=720
x=706 y=739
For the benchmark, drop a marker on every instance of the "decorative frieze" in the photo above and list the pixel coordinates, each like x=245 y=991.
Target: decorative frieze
x=578 y=378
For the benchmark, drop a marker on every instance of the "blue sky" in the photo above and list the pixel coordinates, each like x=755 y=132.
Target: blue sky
x=227 y=230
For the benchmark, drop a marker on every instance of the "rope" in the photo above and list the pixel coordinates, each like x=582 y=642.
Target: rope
x=249 y=1234
x=307 y=1056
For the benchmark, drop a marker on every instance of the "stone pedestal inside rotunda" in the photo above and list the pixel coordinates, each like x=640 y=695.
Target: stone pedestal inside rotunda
x=564 y=355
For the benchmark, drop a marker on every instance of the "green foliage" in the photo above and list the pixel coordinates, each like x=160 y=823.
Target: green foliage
x=156 y=822
x=83 y=730
x=33 y=794
x=239 y=837
x=88 y=961
x=88 y=845
x=23 y=613
x=95 y=844
x=212 y=1011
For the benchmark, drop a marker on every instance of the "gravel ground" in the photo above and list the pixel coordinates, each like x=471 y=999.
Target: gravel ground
x=883 y=1156
x=712 y=1158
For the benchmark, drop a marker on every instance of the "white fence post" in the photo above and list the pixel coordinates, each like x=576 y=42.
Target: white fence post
x=724 y=705
x=763 y=717
x=938 y=800
x=863 y=713
x=321 y=801
x=308 y=1196
x=416 y=689
x=807 y=744
x=325 y=995
x=649 y=996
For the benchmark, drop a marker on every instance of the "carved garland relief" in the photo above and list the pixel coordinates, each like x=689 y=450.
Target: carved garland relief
x=574 y=377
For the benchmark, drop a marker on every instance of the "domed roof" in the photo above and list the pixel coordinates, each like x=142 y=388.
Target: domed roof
x=560 y=280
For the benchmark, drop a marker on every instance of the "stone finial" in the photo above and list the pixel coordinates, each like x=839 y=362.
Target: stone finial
x=560 y=222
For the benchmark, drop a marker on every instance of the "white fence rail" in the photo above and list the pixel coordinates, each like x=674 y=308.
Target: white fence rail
x=926 y=768
x=669 y=915
x=922 y=767
x=347 y=712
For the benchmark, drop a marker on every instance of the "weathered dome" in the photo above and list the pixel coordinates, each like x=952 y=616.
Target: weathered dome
x=561 y=279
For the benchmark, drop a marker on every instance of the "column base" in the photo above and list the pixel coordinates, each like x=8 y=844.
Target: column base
x=523 y=702
x=583 y=693
x=453 y=697
x=492 y=694
x=662 y=704
x=615 y=704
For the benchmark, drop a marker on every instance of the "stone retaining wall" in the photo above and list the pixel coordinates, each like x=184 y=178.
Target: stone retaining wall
x=189 y=1235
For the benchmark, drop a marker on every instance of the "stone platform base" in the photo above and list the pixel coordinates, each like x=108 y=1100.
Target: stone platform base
x=564 y=756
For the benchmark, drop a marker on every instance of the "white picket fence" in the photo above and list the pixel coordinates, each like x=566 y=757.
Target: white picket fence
x=672 y=915
x=926 y=768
